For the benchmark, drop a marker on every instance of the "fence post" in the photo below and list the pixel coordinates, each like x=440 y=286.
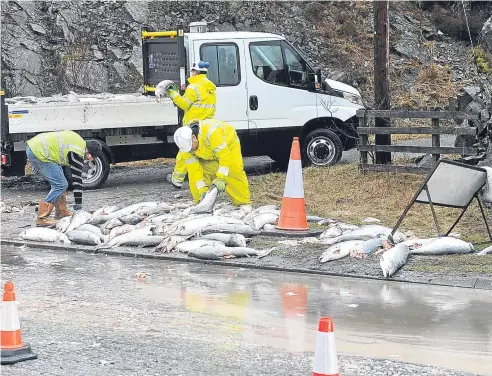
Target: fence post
x=436 y=140
x=363 y=139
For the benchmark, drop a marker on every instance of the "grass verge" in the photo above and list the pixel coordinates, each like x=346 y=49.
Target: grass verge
x=343 y=193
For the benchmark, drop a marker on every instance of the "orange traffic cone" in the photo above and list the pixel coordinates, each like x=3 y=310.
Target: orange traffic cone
x=12 y=348
x=325 y=356
x=293 y=211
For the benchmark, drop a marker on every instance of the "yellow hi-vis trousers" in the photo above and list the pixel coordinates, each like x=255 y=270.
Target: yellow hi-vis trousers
x=237 y=186
x=179 y=173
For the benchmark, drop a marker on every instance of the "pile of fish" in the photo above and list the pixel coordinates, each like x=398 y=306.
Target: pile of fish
x=73 y=97
x=205 y=230
x=219 y=231
x=361 y=242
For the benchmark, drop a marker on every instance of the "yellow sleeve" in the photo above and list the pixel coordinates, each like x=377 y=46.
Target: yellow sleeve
x=219 y=145
x=187 y=99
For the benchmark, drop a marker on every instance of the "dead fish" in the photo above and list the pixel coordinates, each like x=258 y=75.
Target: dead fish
x=193 y=245
x=444 y=245
x=314 y=218
x=345 y=226
x=129 y=237
x=195 y=225
x=332 y=232
x=338 y=251
x=229 y=228
x=262 y=209
x=120 y=230
x=62 y=224
x=121 y=213
x=366 y=248
x=40 y=234
x=366 y=233
x=393 y=259
x=164 y=218
x=91 y=228
x=83 y=237
x=142 y=241
x=146 y=211
x=230 y=240
x=107 y=209
x=263 y=219
x=416 y=242
x=216 y=253
x=224 y=210
x=78 y=219
x=207 y=204
x=327 y=221
x=131 y=219
x=485 y=251
x=111 y=224
x=169 y=243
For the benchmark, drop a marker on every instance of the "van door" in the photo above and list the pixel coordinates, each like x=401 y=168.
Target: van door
x=277 y=86
x=227 y=63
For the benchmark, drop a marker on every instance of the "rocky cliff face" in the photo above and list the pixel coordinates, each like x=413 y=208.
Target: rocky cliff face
x=94 y=46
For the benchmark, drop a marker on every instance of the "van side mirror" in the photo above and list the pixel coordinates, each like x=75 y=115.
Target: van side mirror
x=314 y=81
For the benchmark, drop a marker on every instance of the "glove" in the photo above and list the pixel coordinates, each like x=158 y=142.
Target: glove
x=77 y=207
x=220 y=184
x=171 y=87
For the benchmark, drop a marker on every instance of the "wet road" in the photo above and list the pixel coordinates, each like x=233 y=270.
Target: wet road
x=95 y=315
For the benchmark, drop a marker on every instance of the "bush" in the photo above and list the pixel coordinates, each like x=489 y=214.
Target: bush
x=483 y=60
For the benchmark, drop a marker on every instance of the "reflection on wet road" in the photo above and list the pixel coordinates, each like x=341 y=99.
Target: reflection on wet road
x=440 y=326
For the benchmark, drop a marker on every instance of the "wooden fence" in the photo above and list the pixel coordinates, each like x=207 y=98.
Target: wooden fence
x=436 y=130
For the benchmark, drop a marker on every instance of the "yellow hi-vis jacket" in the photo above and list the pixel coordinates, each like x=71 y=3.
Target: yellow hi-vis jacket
x=217 y=140
x=198 y=100
x=55 y=146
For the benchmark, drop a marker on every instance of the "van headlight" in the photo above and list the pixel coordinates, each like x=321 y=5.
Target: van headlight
x=356 y=99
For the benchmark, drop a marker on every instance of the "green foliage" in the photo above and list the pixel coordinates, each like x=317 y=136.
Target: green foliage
x=483 y=60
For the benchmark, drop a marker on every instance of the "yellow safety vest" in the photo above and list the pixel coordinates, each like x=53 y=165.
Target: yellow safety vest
x=55 y=146
x=199 y=99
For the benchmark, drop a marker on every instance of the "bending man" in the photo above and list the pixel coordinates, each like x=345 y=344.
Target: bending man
x=48 y=152
x=197 y=102
x=212 y=154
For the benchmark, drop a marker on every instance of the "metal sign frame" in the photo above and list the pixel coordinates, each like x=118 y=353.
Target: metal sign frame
x=425 y=188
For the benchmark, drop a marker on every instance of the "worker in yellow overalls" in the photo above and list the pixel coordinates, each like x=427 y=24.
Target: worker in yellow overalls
x=197 y=102
x=212 y=154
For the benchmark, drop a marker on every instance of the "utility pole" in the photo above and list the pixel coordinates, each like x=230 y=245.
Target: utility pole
x=381 y=74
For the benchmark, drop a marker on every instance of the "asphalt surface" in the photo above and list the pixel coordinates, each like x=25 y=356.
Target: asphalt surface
x=86 y=314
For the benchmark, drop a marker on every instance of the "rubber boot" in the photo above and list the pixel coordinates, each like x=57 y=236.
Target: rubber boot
x=61 y=209
x=175 y=184
x=44 y=211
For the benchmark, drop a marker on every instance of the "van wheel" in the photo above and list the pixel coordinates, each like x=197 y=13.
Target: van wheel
x=95 y=172
x=321 y=147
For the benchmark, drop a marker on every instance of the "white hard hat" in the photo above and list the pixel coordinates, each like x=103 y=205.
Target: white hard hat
x=200 y=66
x=183 y=139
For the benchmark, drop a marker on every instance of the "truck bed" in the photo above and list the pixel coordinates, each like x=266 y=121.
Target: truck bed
x=88 y=112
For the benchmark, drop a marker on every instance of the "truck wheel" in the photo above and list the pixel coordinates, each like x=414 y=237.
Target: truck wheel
x=95 y=172
x=321 y=147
